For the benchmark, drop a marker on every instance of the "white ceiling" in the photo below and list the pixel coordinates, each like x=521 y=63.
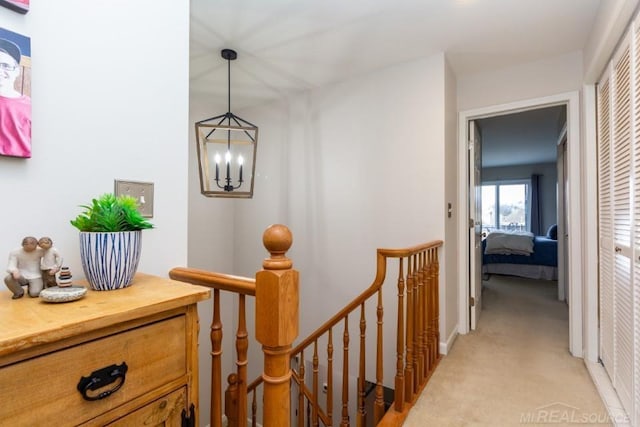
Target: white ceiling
x=526 y=137
x=292 y=45
x=287 y=46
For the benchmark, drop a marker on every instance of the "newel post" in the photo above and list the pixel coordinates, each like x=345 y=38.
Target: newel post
x=277 y=323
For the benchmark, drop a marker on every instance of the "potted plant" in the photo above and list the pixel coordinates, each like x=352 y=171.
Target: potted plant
x=110 y=240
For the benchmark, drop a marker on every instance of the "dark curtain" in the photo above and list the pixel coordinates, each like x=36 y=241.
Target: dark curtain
x=536 y=214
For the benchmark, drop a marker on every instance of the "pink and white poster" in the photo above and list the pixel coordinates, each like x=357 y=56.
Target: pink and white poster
x=15 y=94
x=20 y=6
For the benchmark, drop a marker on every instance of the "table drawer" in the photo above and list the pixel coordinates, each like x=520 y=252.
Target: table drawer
x=36 y=391
x=166 y=411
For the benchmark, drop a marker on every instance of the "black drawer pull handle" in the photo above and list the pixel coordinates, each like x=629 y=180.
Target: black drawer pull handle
x=102 y=378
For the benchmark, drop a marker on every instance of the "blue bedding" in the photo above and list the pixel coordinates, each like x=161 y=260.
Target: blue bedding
x=545 y=252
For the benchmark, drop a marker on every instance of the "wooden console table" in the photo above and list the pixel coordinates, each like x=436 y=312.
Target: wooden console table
x=136 y=349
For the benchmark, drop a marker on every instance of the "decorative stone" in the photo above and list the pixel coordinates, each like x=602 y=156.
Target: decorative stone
x=64 y=277
x=58 y=294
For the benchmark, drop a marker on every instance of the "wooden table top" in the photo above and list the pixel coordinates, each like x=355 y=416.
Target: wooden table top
x=27 y=321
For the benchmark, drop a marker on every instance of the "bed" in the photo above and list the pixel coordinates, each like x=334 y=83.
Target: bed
x=533 y=259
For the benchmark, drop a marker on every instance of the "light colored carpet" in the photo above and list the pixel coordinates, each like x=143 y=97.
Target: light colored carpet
x=515 y=369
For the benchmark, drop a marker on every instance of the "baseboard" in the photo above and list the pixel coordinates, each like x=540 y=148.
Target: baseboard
x=617 y=415
x=445 y=347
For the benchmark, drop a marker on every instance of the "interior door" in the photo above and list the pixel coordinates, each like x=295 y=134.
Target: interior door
x=475 y=224
x=561 y=219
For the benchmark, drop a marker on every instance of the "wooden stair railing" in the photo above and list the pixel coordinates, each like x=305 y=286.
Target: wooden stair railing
x=235 y=407
x=417 y=343
x=276 y=328
x=276 y=291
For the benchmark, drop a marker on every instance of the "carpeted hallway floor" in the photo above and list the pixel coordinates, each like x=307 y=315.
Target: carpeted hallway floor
x=515 y=369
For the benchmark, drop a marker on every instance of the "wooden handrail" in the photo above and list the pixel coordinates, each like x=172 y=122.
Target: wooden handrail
x=405 y=252
x=381 y=273
x=224 y=282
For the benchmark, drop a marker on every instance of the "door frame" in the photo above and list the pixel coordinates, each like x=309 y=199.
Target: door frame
x=474 y=150
x=561 y=216
x=574 y=222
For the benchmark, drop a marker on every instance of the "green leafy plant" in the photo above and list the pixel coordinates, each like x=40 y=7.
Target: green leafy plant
x=109 y=213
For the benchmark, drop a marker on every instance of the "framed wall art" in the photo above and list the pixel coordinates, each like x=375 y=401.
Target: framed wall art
x=15 y=94
x=20 y=6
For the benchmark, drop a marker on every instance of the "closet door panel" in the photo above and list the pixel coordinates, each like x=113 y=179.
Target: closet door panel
x=622 y=155
x=635 y=220
x=636 y=303
x=622 y=291
x=605 y=226
x=624 y=342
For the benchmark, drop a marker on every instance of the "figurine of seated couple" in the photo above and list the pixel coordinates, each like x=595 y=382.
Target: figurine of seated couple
x=34 y=265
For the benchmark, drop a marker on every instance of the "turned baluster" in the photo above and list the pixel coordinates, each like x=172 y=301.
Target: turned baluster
x=417 y=329
x=432 y=304
x=254 y=409
x=436 y=306
x=301 y=375
x=424 y=320
x=316 y=364
x=408 y=366
x=231 y=401
x=330 y=376
x=399 y=380
x=216 y=363
x=242 y=345
x=362 y=414
x=378 y=408
x=345 y=374
x=426 y=279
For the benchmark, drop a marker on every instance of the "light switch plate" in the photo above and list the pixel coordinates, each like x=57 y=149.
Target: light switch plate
x=141 y=191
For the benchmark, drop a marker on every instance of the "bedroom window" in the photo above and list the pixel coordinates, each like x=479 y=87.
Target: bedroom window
x=505 y=206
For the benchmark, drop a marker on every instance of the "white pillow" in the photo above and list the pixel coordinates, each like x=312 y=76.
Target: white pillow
x=512 y=242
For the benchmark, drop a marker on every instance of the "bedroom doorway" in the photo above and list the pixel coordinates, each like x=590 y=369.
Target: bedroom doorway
x=510 y=215
x=521 y=209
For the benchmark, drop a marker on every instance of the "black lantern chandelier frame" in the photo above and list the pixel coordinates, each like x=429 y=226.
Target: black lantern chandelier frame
x=244 y=141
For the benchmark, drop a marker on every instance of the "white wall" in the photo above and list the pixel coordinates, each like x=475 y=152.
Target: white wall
x=349 y=168
x=548 y=185
x=449 y=312
x=109 y=101
x=549 y=76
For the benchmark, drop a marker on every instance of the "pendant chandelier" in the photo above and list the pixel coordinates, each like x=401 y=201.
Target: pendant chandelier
x=227 y=149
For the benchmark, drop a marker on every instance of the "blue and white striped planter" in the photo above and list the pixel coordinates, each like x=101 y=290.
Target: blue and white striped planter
x=110 y=260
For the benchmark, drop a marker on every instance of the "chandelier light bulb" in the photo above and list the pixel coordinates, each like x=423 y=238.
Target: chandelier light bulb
x=227 y=157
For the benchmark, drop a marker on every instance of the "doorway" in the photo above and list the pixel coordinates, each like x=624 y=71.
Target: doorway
x=571 y=270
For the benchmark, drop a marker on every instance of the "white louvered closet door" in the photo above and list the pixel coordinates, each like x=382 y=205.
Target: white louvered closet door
x=605 y=225
x=621 y=179
x=618 y=130
x=635 y=220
